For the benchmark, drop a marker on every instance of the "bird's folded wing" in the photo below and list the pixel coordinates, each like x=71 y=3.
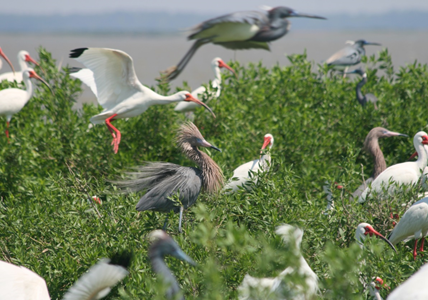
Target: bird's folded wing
x=114 y=74
x=346 y=56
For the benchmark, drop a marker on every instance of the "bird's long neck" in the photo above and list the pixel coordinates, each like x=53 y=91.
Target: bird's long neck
x=157 y=99
x=360 y=96
x=160 y=268
x=211 y=172
x=216 y=83
x=372 y=146
x=22 y=64
x=29 y=88
x=422 y=156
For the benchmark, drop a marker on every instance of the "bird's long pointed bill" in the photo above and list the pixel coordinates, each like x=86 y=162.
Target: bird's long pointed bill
x=308 y=16
x=375 y=44
x=392 y=133
x=222 y=64
x=385 y=239
x=413 y=155
x=7 y=60
x=183 y=256
x=189 y=97
x=204 y=143
x=44 y=82
x=266 y=142
x=30 y=59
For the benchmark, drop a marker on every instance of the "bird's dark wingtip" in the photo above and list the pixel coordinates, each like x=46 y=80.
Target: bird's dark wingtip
x=74 y=70
x=122 y=258
x=77 y=52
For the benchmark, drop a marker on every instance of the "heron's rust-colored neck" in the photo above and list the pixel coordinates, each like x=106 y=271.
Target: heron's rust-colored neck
x=371 y=144
x=211 y=173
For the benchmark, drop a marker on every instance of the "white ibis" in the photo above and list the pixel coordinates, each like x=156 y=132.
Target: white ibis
x=414 y=288
x=6 y=59
x=402 y=174
x=21 y=283
x=119 y=91
x=243 y=174
x=213 y=91
x=163 y=181
x=86 y=76
x=12 y=100
x=364 y=229
x=23 y=58
x=274 y=288
x=239 y=30
x=163 y=245
x=414 y=223
x=350 y=55
x=371 y=145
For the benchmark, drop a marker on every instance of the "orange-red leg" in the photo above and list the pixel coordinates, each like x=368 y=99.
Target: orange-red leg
x=422 y=245
x=114 y=132
x=414 y=249
x=7 y=129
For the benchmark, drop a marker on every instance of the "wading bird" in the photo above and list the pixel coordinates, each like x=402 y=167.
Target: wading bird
x=244 y=173
x=371 y=145
x=86 y=76
x=414 y=288
x=239 y=30
x=364 y=229
x=401 y=174
x=414 y=223
x=213 y=91
x=163 y=181
x=162 y=245
x=6 y=59
x=23 y=58
x=361 y=98
x=350 y=55
x=21 y=283
x=277 y=288
x=12 y=100
x=118 y=90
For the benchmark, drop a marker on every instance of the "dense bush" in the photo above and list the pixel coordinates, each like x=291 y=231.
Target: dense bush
x=54 y=162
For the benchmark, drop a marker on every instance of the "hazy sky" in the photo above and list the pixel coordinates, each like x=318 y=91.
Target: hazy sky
x=208 y=7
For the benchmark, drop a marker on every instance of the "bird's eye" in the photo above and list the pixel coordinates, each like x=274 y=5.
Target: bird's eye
x=424 y=138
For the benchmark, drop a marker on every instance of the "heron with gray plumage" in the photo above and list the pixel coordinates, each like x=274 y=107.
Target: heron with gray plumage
x=165 y=181
x=361 y=98
x=350 y=55
x=239 y=30
x=162 y=245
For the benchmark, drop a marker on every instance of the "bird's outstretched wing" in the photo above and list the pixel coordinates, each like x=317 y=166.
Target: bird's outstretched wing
x=346 y=57
x=100 y=278
x=86 y=76
x=162 y=181
x=20 y=283
x=114 y=73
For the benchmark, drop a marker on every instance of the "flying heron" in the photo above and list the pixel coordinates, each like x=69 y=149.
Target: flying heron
x=239 y=30
x=361 y=98
x=350 y=55
x=162 y=245
x=163 y=181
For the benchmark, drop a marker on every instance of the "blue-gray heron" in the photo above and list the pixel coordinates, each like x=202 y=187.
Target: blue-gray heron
x=350 y=55
x=239 y=30
x=371 y=145
x=164 y=181
x=163 y=245
x=361 y=98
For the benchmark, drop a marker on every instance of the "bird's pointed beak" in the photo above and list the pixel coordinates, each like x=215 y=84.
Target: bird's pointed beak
x=183 y=256
x=7 y=60
x=413 y=155
x=222 y=64
x=266 y=142
x=34 y=75
x=371 y=231
x=189 y=97
x=392 y=133
x=28 y=58
x=296 y=14
x=374 y=44
x=351 y=72
x=205 y=144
